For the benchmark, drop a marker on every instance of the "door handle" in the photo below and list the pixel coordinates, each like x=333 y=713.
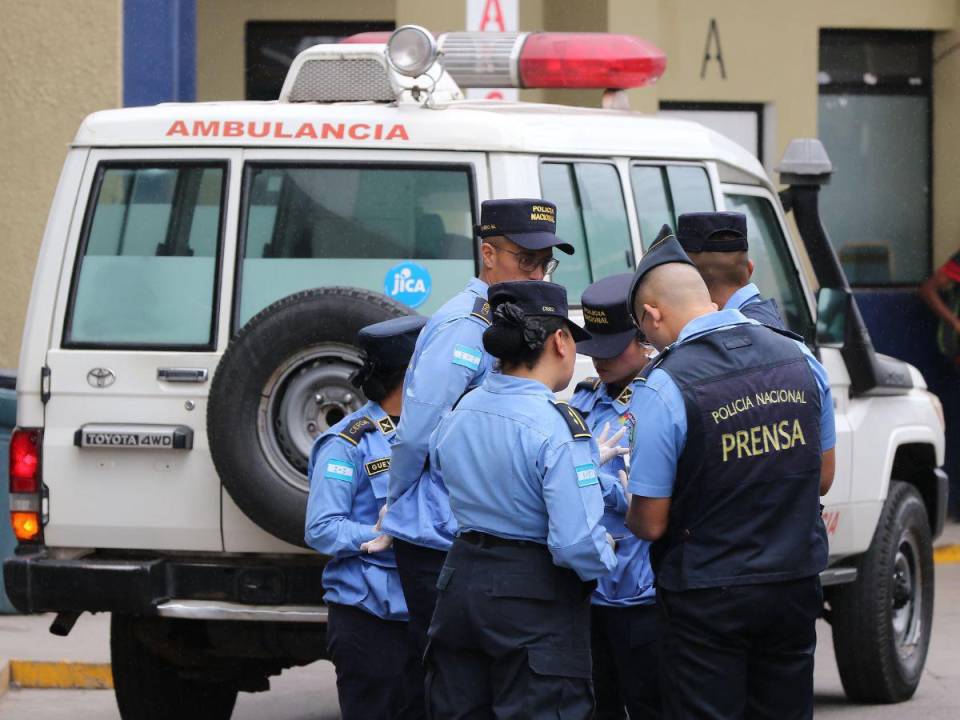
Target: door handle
x=182 y=375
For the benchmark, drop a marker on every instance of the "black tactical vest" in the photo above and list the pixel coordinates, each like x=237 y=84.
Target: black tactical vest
x=746 y=502
x=766 y=312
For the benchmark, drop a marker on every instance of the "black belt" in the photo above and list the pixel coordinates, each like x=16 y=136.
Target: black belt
x=484 y=540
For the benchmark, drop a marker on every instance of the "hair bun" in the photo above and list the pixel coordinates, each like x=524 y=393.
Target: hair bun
x=510 y=314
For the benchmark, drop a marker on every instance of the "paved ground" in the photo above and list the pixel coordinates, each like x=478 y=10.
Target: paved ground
x=310 y=694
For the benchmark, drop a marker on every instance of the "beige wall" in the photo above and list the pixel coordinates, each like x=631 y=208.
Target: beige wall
x=946 y=145
x=59 y=61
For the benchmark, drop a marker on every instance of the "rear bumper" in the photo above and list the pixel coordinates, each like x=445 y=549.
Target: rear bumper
x=40 y=582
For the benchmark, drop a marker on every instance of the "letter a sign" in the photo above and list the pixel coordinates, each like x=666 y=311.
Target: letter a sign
x=492 y=16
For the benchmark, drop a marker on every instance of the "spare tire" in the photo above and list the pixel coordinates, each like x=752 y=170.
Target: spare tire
x=283 y=381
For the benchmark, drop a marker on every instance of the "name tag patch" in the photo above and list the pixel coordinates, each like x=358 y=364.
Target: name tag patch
x=587 y=475
x=339 y=470
x=375 y=467
x=467 y=357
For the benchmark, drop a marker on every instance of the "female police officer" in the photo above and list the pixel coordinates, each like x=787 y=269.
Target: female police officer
x=624 y=613
x=349 y=467
x=510 y=636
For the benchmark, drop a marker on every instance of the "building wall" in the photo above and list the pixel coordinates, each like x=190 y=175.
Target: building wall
x=59 y=61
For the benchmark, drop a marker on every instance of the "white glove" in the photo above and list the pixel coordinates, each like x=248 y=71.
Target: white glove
x=378 y=544
x=609 y=448
x=622 y=476
x=383 y=511
x=611 y=542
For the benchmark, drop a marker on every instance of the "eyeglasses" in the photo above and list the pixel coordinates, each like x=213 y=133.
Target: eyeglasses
x=528 y=262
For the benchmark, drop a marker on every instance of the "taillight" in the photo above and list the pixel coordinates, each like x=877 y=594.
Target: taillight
x=25 y=461
x=25 y=486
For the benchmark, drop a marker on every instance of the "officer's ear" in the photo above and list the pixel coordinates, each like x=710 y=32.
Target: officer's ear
x=563 y=342
x=653 y=314
x=487 y=251
x=750 y=267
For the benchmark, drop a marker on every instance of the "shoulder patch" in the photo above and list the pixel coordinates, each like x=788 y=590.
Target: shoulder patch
x=587 y=475
x=481 y=310
x=339 y=470
x=386 y=425
x=356 y=430
x=466 y=356
x=590 y=384
x=375 y=467
x=576 y=423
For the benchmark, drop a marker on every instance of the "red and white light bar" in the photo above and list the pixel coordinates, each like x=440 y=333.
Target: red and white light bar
x=542 y=59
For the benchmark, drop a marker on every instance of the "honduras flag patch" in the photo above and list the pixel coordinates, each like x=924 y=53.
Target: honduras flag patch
x=467 y=357
x=587 y=475
x=339 y=470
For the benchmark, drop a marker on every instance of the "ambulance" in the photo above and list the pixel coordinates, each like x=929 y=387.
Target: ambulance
x=205 y=269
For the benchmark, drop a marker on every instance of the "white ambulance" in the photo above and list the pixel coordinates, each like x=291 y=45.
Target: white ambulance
x=202 y=277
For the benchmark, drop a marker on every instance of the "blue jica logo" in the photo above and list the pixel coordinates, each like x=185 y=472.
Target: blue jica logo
x=408 y=283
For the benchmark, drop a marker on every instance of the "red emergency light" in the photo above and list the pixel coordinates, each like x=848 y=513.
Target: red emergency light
x=544 y=59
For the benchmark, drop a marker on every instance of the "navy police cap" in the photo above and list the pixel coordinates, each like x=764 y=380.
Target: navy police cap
x=390 y=343
x=530 y=223
x=535 y=297
x=712 y=231
x=606 y=317
x=665 y=249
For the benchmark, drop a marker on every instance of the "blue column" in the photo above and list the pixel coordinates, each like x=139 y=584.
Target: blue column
x=159 y=51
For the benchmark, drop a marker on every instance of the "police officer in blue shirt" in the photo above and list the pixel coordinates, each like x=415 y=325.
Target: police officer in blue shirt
x=517 y=237
x=349 y=470
x=624 y=614
x=510 y=637
x=716 y=242
x=736 y=438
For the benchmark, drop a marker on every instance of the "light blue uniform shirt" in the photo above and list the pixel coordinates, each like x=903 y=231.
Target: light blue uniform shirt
x=448 y=360
x=749 y=293
x=348 y=486
x=514 y=470
x=661 y=432
x=631 y=582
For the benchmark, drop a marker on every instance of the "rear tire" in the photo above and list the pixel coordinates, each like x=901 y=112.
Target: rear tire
x=881 y=622
x=149 y=687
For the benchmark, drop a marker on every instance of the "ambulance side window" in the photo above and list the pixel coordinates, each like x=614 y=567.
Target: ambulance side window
x=146 y=272
x=774 y=272
x=662 y=192
x=591 y=216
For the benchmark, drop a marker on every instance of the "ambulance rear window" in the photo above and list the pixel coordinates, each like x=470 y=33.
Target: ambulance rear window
x=146 y=274
x=405 y=231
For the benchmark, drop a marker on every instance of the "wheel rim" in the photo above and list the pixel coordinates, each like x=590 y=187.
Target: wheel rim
x=907 y=595
x=301 y=400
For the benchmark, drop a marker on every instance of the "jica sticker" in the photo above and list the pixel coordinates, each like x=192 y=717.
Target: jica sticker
x=408 y=283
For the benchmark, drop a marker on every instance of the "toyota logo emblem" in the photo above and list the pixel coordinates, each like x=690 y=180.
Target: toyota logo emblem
x=101 y=377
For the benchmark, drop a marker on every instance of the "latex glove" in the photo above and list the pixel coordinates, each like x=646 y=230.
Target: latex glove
x=378 y=544
x=610 y=448
x=383 y=511
x=611 y=542
x=622 y=476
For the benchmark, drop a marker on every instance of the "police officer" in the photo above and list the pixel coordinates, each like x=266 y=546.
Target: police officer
x=736 y=435
x=510 y=637
x=517 y=238
x=349 y=469
x=624 y=614
x=716 y=242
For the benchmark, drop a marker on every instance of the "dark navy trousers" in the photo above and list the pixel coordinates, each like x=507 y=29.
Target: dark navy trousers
x=626 y=650
x=740 y=652
x=510 y=638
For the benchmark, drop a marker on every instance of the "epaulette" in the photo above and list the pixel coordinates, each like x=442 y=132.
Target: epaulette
x=355 y=430
x=481 y=310
x=576 y=423
x=590 y=384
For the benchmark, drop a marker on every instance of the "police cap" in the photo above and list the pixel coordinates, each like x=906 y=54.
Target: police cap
x=536 y=297
x=530 y=223
x=606 y=317
x=665 y=249
x=390 y=344
x=712 y=231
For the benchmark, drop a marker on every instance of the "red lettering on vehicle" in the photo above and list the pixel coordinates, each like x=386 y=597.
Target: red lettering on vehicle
x=355 y=131
x=233 y=128
x=335 y=130
x=278 y=131
x=179 y=127
x=202 y=129
x=268 y=128
x=306 y=130
x=397 y=131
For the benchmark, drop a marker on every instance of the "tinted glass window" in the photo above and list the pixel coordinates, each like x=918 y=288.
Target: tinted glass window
x=661 y=193
x=147 y=272
x=774 y=272
x=592 y=217
x=403 y=231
